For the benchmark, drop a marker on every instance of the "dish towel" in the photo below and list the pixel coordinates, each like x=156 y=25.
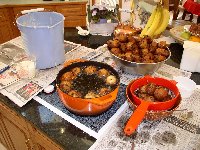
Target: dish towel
x=191 y=56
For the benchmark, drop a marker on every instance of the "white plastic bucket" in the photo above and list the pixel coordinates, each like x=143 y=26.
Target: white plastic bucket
x=43 y=37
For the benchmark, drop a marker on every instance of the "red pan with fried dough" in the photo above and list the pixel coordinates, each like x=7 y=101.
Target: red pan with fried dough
x=143 y=105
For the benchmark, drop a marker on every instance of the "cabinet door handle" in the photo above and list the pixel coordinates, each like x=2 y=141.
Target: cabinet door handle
x=27 y=144
x=27 y=141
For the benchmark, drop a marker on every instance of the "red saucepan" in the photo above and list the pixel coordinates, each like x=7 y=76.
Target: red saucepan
x=144 y=106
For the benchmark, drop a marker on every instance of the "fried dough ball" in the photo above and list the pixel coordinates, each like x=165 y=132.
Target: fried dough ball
x=136 y=58
x=74 y=93
x=130 y=45
x=76 y=71
x=113 y=43
x=148 y=39
x=115 y=51
x=135 y=51
x=143 y=89
x=162 y=44
x=111 y=80
x=131 y=39
x=122 y=37
x=91 y=95
x=144 y=44
x=145 y=51
x=138 y=39
x=68 y=76
x=160 y=93
x=104 y=91
x=103 y=72
x=166 y=53
x=90 y=69
x=148 y=58
x=123 y=47
x=153 y=47
x=154 y=44
x=160 y=51
x=168 y=97
x=151 y=88
x=65 y=86
x=129 y=56
x=159 y=58
x=147 y=61
x=146 y=97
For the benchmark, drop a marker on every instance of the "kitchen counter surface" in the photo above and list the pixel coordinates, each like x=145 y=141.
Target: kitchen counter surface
x=27 y=2
x=55 y=127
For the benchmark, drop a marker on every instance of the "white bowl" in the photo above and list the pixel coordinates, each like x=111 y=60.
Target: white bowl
x=185 y=85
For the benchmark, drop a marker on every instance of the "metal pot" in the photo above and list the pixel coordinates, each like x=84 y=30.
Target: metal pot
x=138 y=68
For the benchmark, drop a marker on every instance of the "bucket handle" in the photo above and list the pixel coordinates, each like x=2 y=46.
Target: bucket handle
x=31 y=10
x=28 y=11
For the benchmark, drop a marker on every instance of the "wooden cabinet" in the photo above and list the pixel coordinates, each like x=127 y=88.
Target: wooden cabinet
x=75 y=14
x=41 y=142
x=19 y=138
x=5 y=26
x=17 y=134
x=3 y=139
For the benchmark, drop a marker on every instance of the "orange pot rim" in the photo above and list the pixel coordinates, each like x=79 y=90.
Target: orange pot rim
x=177 y=93
x=97 y=101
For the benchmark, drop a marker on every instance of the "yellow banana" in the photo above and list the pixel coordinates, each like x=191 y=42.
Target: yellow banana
x=132 y=15
x=164 y=21
x=149 y=22
x=155 y=23
x=132 y=4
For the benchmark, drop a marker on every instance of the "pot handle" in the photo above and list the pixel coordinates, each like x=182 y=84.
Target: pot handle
x=136 y=117
x=69 y=62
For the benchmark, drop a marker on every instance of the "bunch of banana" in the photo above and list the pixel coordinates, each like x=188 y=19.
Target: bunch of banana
x=157 y=22
x=132 y=14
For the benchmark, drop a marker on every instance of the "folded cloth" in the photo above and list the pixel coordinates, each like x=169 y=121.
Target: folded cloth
x=191 y=56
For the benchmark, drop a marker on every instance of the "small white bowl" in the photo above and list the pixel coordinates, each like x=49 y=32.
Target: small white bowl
x=185 y=85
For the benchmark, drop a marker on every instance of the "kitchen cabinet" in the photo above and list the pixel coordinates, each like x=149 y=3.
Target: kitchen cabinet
x=74 y=13
x=18 y=134
x=41 y=142
x=5 y=26
x=3 y=139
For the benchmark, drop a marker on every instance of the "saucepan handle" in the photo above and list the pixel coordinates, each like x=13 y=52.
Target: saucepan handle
x=136 y=118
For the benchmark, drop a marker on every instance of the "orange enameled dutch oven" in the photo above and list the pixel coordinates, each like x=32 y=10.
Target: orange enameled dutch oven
x=144 y=106
x=83 y=106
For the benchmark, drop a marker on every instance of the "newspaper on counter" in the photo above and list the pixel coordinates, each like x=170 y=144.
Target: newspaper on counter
x=150 y=135
x=20 y=91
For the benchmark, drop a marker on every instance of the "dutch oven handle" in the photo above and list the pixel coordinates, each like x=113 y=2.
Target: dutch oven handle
x=67 y=63
x=136 y=118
